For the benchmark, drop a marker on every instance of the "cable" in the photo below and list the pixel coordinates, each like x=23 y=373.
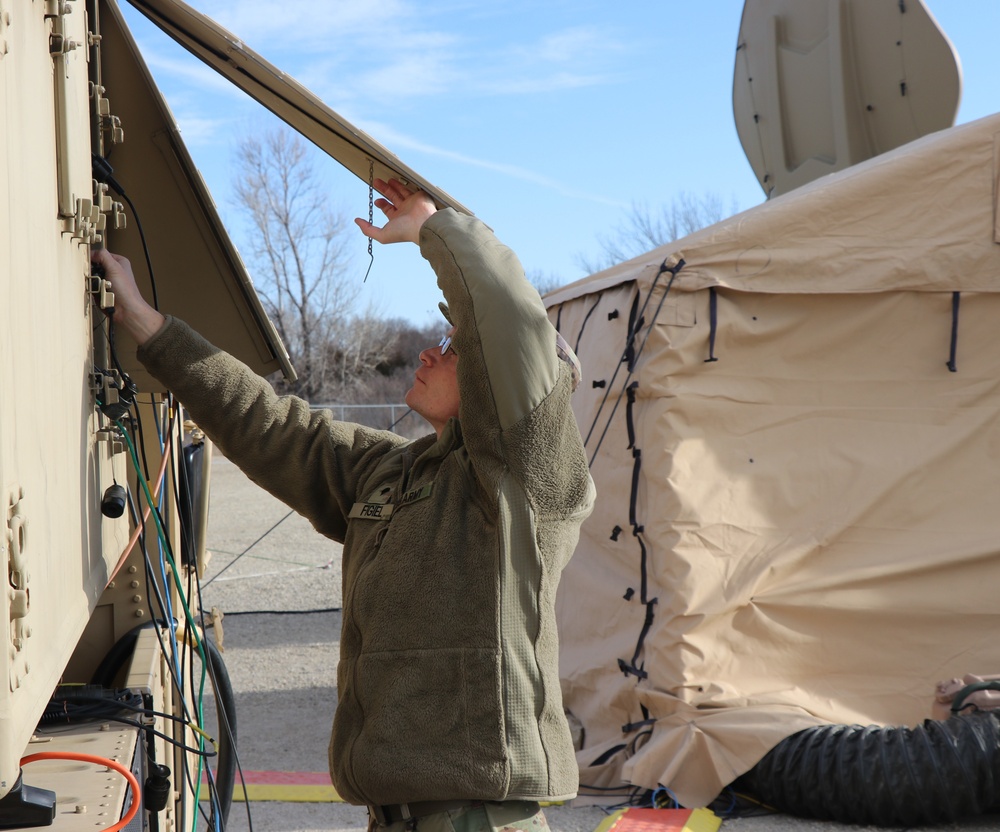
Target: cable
x=142 y=434
x=83 y=706
x=104 y=173
x=189 y=618
x=282 y=612
x=225 y=707
x=673 y=274
x=179 y=656
x=139 y=528
x=400 y=419
x=99 y=761
x=248 y=548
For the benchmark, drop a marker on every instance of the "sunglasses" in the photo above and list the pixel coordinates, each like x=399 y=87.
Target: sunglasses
x=446 y=346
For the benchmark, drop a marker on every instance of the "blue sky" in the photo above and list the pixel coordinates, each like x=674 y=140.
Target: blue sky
x=547 y=118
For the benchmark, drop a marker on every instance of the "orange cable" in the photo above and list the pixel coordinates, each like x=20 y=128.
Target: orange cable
x=139 y=527
x=101 y=761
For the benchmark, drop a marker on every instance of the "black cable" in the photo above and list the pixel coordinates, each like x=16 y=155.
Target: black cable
x=139 y=436
x=634 y=316
x=187 y=651
x=145 y=249
x=225 y=707
x=151 y=581
x=248 y=548
x=281 y=612
x=225 y=704
x=649 y=329
x=70 y=708
x=185 y=657
x=141 y=542
x=400 y=419
x=104 y=173
x=188 y=540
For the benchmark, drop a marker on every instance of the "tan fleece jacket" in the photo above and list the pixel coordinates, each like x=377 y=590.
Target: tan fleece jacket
x=448 y=678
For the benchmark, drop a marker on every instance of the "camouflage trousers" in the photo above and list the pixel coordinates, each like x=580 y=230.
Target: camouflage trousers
x=483 y=817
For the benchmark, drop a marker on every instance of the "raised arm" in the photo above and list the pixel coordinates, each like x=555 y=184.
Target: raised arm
x=303 y=457
x=503 y=336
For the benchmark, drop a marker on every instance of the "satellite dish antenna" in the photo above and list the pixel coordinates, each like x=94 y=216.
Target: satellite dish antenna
x=821 y=85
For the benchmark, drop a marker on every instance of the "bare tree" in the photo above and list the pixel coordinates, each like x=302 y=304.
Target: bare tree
x=394 y=376
x=299 y=254
x=644 y=229
x=544 y=283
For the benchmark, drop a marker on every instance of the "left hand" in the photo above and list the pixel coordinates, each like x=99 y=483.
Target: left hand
x=406 y=209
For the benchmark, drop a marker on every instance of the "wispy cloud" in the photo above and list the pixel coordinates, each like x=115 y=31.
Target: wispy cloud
x=401 y=52
x=196 y=130
x=417 y=59
x=393 y=138
x=308 y=29
x=580 y=43
x=188 y=72
x=554 y=82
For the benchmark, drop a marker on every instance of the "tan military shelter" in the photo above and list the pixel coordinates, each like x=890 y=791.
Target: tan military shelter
x=794 y=422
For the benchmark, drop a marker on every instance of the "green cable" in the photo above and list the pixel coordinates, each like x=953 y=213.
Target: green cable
x=187 y=612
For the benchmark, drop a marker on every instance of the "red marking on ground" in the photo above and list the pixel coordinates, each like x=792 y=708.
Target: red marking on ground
x=665 y=820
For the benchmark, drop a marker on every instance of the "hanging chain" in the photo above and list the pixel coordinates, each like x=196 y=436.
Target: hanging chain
x=371 y=213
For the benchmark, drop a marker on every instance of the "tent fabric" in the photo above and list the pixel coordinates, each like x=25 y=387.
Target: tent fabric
x=793 y=423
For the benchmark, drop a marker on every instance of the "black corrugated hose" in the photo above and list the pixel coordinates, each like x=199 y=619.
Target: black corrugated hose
x=937 y=772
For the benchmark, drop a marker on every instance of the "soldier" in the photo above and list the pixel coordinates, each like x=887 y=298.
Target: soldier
x=450 y=712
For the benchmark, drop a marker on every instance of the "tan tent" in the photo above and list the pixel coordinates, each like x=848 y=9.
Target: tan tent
x=797 y=452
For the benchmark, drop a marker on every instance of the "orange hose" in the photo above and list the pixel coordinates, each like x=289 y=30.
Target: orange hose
x=101 y=761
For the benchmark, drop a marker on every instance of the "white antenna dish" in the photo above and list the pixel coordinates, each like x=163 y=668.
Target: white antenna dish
x=821 y=85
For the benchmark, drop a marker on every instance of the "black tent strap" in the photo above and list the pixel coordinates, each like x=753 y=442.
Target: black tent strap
x=955 y=300
x=635 y=321
x=607 y=755
x=643 y=570
x=636 y=470
x=629 y=423
x=633 y=668
x=629 y=727
x=713 y=323
x=636 y=314
x=604 y=399
x=583 y=326
x=632 y=356
x=673 y=274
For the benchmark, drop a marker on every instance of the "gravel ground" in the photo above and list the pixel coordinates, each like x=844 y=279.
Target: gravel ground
x=278 y=584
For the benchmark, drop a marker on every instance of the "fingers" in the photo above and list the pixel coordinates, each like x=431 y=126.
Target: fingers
x=393 y=188
x=114 y=264
x=369 y=230
x=405 y=209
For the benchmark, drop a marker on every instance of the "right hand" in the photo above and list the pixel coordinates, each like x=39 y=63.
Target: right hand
x=131 y=310
x=406 y=210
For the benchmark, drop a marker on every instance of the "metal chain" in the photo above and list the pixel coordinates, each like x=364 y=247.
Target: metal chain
x=371 y=213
